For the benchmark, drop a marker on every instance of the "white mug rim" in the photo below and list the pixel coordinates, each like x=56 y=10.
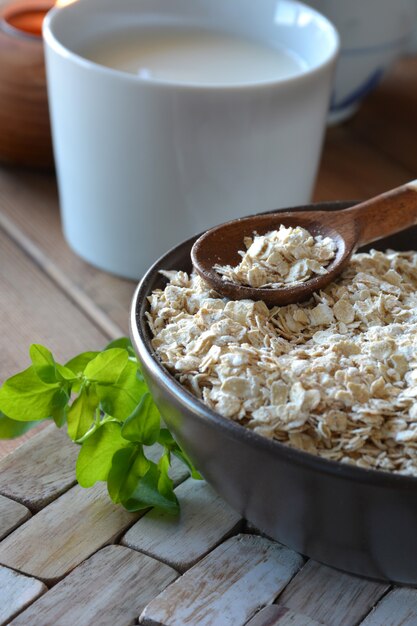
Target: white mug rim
x=62 y=50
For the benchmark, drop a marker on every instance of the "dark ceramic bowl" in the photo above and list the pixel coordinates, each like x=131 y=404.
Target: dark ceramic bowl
x=361 y=521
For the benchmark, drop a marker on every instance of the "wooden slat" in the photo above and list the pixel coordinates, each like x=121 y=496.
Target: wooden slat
x=112 y=588
x=227 y=587
x=398 y=608
x=203 y=522
x=274 y=615
x=12 y=514
x=30 y=201
x=16 y=593
x=330 y=596
x=60 y=277
x=35 y=311
x=40 y=470
x=7 y=446
x=62 y=535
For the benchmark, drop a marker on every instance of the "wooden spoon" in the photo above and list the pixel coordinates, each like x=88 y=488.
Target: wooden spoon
x=351 y=228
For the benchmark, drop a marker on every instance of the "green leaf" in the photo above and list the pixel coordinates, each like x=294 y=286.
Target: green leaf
x=122 y=397
x=167 y=440
x=107 y=366
x=46 y=367
x=151 y=491
x=59 y=416
x=11 y=428
x=95 y=458
x=43 y=363
x=165 y=483
x=78 y=364
x=25 y=397
x=143 y=424
x=110 y=381
x=64 y=373
x=81 y=413
x=128 y=466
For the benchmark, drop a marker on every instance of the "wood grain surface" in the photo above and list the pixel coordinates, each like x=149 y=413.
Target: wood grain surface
x=16 y=593
x=227 y=586
x=35 y=311
x=203 y=522
x=111 y=587
x=40 y=470
x=398 y=608
x=7 y=446
x=274 y=615
x=12 y=514
x=331 y=597
x=61 y=536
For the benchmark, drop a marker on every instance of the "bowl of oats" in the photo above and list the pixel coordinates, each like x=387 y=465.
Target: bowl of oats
x=302 y=417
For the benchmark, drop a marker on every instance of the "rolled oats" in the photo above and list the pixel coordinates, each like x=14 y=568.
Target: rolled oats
x=335 y=376
x=281 y=257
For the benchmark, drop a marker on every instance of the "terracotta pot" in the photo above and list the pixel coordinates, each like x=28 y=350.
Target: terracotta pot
x=25 y=136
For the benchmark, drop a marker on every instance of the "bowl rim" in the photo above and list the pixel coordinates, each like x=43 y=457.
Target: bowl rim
x=140 y=337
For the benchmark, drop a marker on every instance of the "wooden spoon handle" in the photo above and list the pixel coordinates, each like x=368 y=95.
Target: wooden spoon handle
x=386 y=214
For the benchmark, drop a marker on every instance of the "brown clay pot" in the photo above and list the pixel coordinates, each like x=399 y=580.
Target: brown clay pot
x=25 y=136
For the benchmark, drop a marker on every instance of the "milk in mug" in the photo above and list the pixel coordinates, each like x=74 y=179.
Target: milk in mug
x=194 y=56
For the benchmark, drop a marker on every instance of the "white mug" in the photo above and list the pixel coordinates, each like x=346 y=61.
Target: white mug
x=144 y=164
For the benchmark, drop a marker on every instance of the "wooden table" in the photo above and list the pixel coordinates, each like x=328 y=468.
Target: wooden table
x=68 y=555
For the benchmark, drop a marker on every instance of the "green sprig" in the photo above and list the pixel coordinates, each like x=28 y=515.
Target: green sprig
x=106 y=405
